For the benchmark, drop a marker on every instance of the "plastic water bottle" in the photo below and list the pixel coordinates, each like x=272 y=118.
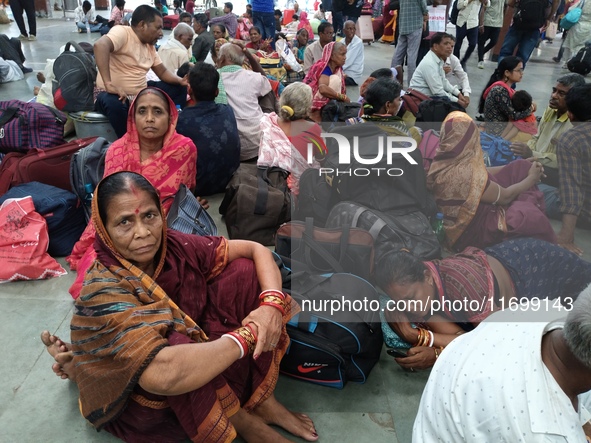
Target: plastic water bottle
x=88 y=189
x=178 y=108
x=88 y=28
x=437 y=225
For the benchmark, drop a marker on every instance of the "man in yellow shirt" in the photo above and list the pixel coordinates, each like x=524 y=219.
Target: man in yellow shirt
x=554 y=122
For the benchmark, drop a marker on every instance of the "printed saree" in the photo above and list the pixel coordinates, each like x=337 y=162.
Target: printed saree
x=124 y=317
x=174 y=164
x=458 y=178
x=336 y=81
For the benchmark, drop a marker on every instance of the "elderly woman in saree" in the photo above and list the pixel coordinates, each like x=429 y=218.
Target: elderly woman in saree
x=484 y=206
x=176 y=336
x=285 y=137
x=151 y=147
x=326 y=77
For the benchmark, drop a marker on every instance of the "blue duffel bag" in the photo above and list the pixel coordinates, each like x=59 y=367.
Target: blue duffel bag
x=60 y=208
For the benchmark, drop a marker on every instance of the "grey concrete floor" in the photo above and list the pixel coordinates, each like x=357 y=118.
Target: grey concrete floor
x=35 y=406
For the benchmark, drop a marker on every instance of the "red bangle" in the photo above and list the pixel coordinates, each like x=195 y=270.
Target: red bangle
x=274 y=305
x=275 y=292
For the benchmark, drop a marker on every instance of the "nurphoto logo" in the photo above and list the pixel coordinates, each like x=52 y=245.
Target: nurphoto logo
x=380 y=157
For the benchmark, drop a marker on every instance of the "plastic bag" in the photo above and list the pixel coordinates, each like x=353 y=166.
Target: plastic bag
x=23 y=243
x=287 y=56
x=4 y=19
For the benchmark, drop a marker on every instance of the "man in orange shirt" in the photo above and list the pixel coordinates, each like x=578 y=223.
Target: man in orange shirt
x=123 y=58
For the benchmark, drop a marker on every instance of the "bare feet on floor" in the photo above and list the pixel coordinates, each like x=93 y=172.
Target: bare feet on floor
x=274 y=413
x=253 y=429
x=61 y=353
x=41 y=77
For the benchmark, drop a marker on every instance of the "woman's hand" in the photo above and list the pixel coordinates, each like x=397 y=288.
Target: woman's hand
x=534 y=107
x=536 y=172
x=268 y=325
x=400 y=324
x=421 y=357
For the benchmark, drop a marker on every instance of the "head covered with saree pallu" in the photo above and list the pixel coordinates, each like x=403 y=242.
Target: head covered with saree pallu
x=175 y=163
x=166 y=169
x=124 y=317
x=458 y=177
x=313 y=77
x=305 y=23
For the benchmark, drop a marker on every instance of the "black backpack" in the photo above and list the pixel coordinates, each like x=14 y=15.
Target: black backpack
x=331 y=348
x=88 y=166
x=75 y=74
x=315 y=198
x=335 y=111
x=390 y=231
x=431 y=113
x=385 y=192
x=530 y=14
x=581 y=62
x=453 y=16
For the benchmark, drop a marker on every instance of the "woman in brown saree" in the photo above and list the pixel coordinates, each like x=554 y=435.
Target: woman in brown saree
x=145 y=370
x=484 y=206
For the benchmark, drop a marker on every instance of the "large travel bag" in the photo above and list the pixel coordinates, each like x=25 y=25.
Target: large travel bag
x=256 y=203
x=25 y=126
x=390 y=183
x=62 y=211
x=391 y=232
x=49 y=166
x=331 y=348
x=75 y=75
x=318 y=250
x=88 y=166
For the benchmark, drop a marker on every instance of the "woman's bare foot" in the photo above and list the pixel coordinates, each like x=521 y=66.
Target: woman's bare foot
x=41 y=77
x=253 y=429
x=274 y=413
x=36 y=90
x=61 y=353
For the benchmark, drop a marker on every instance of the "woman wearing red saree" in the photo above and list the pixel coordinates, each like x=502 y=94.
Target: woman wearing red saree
x=326 y=77
x=305 y=24
x=146 y=371
x=164 y=157
x=483 y=207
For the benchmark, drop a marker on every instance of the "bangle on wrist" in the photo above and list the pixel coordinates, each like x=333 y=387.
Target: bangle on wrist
x=235 y=340
x=276 y=292
x=246 y=337
x=432 y=338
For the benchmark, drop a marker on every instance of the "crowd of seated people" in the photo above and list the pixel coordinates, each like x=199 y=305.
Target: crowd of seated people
x=496 y=219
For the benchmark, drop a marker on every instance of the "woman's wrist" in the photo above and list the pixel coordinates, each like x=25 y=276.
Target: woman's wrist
x=245 y=338
x=274 y=298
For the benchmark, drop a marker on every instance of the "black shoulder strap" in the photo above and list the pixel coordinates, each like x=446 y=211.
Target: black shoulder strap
x=7 y=115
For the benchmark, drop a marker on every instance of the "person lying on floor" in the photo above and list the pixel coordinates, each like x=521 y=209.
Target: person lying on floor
x=465 y=288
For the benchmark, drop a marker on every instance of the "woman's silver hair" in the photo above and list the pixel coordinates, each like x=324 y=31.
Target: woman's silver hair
x=336 y=46
x=577 y=328
x=298 y=97
x=232 y=52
